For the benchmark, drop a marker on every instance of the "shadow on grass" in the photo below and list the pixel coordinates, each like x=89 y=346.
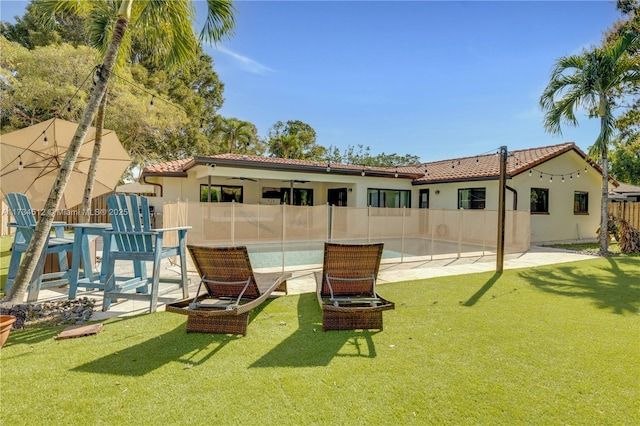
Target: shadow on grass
x=176 y=345
x=611 y=287
x=474 y=299
x=309 y=346
x=33 y=335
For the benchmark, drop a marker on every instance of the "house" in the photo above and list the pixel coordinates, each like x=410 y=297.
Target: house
x=625 y=193
x=558 y=185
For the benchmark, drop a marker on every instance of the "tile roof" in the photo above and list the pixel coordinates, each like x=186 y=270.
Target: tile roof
x=181 y=166
x=456 y=169
x=488 y=165
x=168 y=167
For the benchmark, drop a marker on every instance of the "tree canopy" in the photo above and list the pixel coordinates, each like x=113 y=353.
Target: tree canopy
x=294 y=139
x=595 y=79
x=625 y=155
x=361 y=155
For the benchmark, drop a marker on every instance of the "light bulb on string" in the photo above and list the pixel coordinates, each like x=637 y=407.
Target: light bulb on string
x=396 y=173
x=540 y=176
x=562 y=178
x=570 y=177
x=362 y=174
x=578 y=174
x=20 y=166
x=585 y=170
x=45 y=140
x=151 y=105
x=328 y=166
x=529 y=172
x=551 y=179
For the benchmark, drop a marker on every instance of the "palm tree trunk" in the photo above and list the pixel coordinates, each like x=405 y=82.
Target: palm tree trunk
x=85 y=209
x=36 y=246
x=604 y=206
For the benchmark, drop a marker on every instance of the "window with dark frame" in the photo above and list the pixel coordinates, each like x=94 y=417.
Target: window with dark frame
x=389 y=198
x=580 y=202
x=424 y=199
x=301 y=196
x=221 y=193
x=472 y=198
x=539 y=200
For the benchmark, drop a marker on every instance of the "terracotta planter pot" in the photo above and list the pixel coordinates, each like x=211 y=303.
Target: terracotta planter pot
x=6 y=322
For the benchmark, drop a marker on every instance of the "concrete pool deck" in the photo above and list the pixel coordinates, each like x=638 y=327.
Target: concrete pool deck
x=302 y=280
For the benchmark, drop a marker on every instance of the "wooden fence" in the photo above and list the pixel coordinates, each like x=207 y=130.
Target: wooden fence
x=627 y=211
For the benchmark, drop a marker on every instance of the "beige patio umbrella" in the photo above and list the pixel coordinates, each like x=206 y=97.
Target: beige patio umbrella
x=30 y=159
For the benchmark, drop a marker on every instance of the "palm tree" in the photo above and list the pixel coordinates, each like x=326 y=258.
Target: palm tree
x=99 y=23
x=234 y=131
x=592 y=80
x=155 y=17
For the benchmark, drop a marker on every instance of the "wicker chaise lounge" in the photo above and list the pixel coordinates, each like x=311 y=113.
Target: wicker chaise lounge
x=346 y=287
x=232 y=290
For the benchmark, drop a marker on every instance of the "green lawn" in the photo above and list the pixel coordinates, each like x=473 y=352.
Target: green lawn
x=550 y=345
x=5 y=255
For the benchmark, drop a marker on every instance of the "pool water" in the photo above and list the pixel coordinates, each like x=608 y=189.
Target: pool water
x=272 y=259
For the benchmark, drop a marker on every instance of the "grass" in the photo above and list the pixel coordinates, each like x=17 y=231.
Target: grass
x=548 y=345
x=613 y=248
x=5 y=255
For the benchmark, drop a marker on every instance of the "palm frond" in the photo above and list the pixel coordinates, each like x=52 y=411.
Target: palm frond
x=220 y=21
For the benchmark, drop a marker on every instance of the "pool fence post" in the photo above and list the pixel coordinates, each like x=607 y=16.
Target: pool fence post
x=460 y=225
x=484 y=230
x=330 y=219
x=404 y=209
x=233 y=222
x=284 y=227
x=369 y=224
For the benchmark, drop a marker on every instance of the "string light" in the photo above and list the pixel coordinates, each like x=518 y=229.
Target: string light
x=362 y=174
x=45 y=141
x=151 y=105
x=396 y=173
x=552 y=175
x=20 y=166
x=328 y=166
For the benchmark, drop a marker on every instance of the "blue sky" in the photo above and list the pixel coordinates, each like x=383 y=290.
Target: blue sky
x=434 y=79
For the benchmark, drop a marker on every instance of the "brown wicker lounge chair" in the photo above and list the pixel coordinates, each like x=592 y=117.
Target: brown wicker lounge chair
x=232 y=290
x=346 y=287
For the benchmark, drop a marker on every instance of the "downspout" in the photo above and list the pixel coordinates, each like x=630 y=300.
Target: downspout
x=144 y=180
x=515 y=196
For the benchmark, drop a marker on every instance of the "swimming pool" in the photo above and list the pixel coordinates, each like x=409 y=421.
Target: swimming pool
x=293 y=258
x=310 y=253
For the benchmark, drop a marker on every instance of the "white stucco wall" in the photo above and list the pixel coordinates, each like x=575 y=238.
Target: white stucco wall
x=560 y=224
